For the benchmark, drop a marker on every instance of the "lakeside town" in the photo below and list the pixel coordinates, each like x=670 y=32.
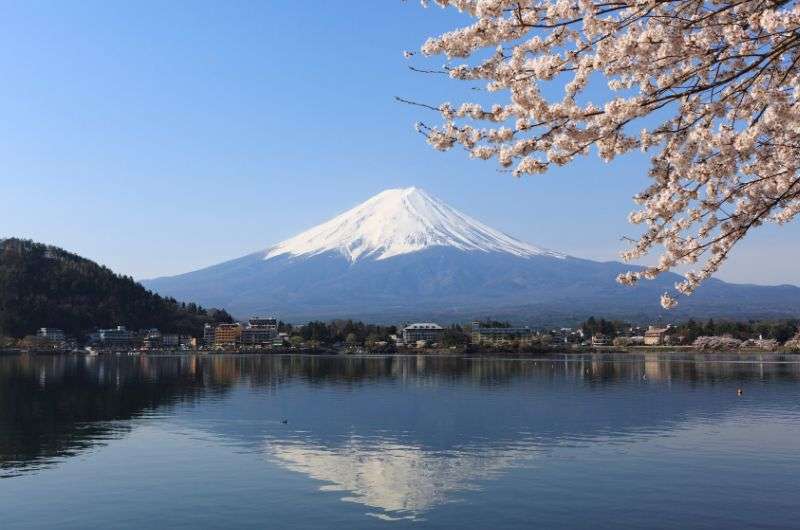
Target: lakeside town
x=270 y=335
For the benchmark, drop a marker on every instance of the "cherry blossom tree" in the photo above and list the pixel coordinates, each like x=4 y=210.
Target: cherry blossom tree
x=709 y=88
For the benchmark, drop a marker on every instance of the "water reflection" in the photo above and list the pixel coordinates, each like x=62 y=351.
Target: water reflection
x=398 y=435
x=400 y=481
x=52 y=407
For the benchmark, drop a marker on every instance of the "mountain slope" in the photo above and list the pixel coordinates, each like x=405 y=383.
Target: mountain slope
x=405 y=255
x=401 y=221
x=44 y=286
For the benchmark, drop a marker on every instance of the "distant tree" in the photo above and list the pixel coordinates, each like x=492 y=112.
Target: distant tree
x=455 y=336
x=316 y=330
x=779 y=331
x=489 y=323
x=693 y=330
x=610 y=328
x=589 y=327
x=372 y=339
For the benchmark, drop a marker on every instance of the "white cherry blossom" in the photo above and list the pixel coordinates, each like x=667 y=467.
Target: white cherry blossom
x=710 y=88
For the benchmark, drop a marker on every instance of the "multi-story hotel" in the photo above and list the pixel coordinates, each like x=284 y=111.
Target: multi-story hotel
x=427 y=331
x=119 y=336
x=259 y=331
x=227 y=334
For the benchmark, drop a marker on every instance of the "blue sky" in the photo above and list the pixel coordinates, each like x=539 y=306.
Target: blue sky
x=161 y=137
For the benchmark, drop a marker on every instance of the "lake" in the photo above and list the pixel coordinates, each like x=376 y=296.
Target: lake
x=214 y=441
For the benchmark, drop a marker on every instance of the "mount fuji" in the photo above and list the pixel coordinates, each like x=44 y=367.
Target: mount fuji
x=404 y=254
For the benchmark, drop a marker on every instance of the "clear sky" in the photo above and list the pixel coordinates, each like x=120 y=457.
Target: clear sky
x=161 y=137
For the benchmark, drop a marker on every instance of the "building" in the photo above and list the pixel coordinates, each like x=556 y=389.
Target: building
x=281 y=340
x=257 y=335
x=564 y=335
x=260 y=331
x=118 y=336
x=492 y=335
x=51 y=334
x=264 y=322
x=208 y=335
x=227 y=334
x=655 y=336
x=423 y=331
x=152 y=339
x=598 y=339
x=170 y=340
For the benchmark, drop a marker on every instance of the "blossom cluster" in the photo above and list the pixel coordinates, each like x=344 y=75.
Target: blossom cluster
x=793 y=344
x=716 y=83
x=715 y=343
x=760 y=344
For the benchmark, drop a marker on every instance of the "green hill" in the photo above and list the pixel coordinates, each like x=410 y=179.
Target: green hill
x=45 y=286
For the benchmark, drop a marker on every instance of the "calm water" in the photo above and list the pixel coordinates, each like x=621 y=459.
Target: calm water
x=403 y=442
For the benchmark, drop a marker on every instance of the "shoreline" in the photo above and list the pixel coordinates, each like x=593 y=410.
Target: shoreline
x=632 y=351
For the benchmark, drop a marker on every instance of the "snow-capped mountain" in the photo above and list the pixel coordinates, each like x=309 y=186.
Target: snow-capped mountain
x=404 y=255
x=401 y=221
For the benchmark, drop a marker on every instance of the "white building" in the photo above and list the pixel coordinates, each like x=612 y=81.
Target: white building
x=260 y=331
x=422 y=331
x=655 y=336
x=118 y=336
x=51 y=334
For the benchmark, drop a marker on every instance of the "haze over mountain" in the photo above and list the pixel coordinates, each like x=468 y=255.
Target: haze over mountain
x=404 y=254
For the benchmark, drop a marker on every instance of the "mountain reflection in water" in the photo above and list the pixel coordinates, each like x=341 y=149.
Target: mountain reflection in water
x=398 y=435
x=397 y=478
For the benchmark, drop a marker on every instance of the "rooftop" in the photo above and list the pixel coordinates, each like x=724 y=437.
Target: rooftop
x=423 y=325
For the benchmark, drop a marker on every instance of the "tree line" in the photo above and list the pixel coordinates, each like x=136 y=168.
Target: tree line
x=44 y=286
x=779 y=330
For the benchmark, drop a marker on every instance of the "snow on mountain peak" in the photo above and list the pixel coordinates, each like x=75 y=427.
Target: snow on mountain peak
x=401 y=221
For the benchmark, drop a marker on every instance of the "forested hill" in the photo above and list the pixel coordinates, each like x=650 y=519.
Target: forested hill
x=45 y=286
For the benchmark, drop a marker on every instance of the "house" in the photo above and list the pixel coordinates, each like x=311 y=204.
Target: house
x=281 y=340
x=565 y=335
x=423 y=331
x=598 y=339
x=655 y=336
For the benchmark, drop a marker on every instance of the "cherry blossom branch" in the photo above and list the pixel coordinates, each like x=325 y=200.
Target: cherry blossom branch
x=726 y=161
